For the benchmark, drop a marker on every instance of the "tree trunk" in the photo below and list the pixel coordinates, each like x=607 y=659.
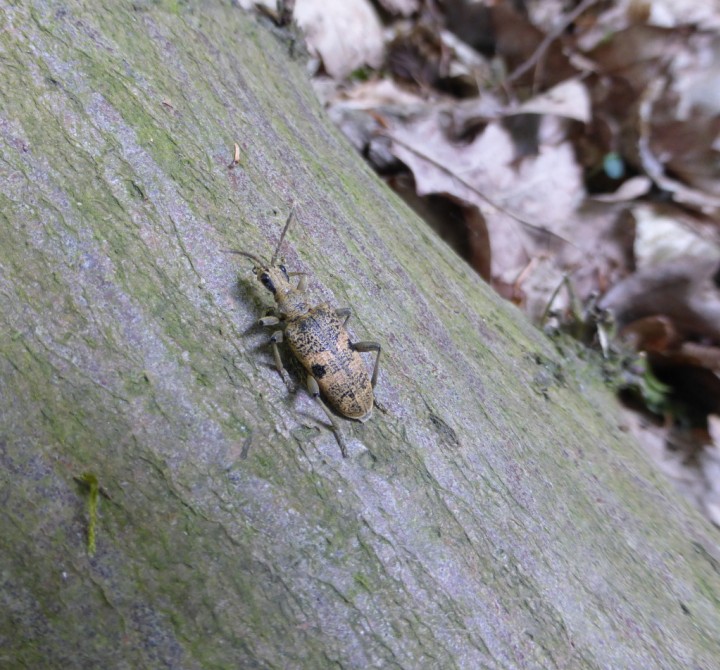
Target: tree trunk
x=494 y=516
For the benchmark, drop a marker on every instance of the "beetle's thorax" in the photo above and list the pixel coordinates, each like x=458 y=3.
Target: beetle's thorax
x=291 y=302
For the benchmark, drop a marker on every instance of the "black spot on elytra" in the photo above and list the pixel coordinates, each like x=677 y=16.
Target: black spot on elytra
x=318 y=371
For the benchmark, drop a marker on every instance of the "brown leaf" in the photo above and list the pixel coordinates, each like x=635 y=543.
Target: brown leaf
x=685 y=291
x=544 y=189
x=459 y=224
x=651 y=333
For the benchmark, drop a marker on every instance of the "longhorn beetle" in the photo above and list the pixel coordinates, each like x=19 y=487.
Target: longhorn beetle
x=318 y=338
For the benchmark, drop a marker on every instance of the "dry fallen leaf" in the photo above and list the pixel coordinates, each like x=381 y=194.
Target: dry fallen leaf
x=665 y=233
x=683 y=290
x=346 y=35
x=569 y=99
x=402 y=7
x=673 y=13
x=629 y=190
x=544 y=189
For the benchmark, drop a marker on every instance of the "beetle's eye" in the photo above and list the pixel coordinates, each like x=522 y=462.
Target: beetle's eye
x=283 y=269
x=267 y=282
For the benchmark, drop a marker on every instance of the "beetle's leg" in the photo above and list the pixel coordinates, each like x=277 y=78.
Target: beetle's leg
x=370 y=346
x=343 y=312
x=276 y=337
x=314 y=390
x=302 y=284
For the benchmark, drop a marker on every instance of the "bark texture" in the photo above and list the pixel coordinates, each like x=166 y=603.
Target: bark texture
x=496 y=516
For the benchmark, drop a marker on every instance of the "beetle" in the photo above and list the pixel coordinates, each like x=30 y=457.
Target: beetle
x=318 y=338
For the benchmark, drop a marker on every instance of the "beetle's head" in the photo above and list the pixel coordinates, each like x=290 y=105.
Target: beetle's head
x=273 y=275
x=274 y=278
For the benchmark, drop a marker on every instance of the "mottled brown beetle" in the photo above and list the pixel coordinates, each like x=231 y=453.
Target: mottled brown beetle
x=318 y=338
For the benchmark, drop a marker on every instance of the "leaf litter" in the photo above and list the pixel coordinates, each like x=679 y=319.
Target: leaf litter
x=560 y=143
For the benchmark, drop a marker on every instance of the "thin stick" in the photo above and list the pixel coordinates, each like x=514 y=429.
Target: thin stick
x=549 y=39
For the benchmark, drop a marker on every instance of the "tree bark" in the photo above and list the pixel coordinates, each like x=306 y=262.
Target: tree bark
x=494 y=516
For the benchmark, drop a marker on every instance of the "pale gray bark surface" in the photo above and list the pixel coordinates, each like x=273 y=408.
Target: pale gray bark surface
x=495 y=517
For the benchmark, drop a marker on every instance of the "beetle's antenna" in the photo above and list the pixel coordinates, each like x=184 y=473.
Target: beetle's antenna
x=282 y=236
x=252 y=257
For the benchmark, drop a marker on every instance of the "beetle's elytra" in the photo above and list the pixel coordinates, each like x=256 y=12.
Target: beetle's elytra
x=318 y=338
x=321 y=343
